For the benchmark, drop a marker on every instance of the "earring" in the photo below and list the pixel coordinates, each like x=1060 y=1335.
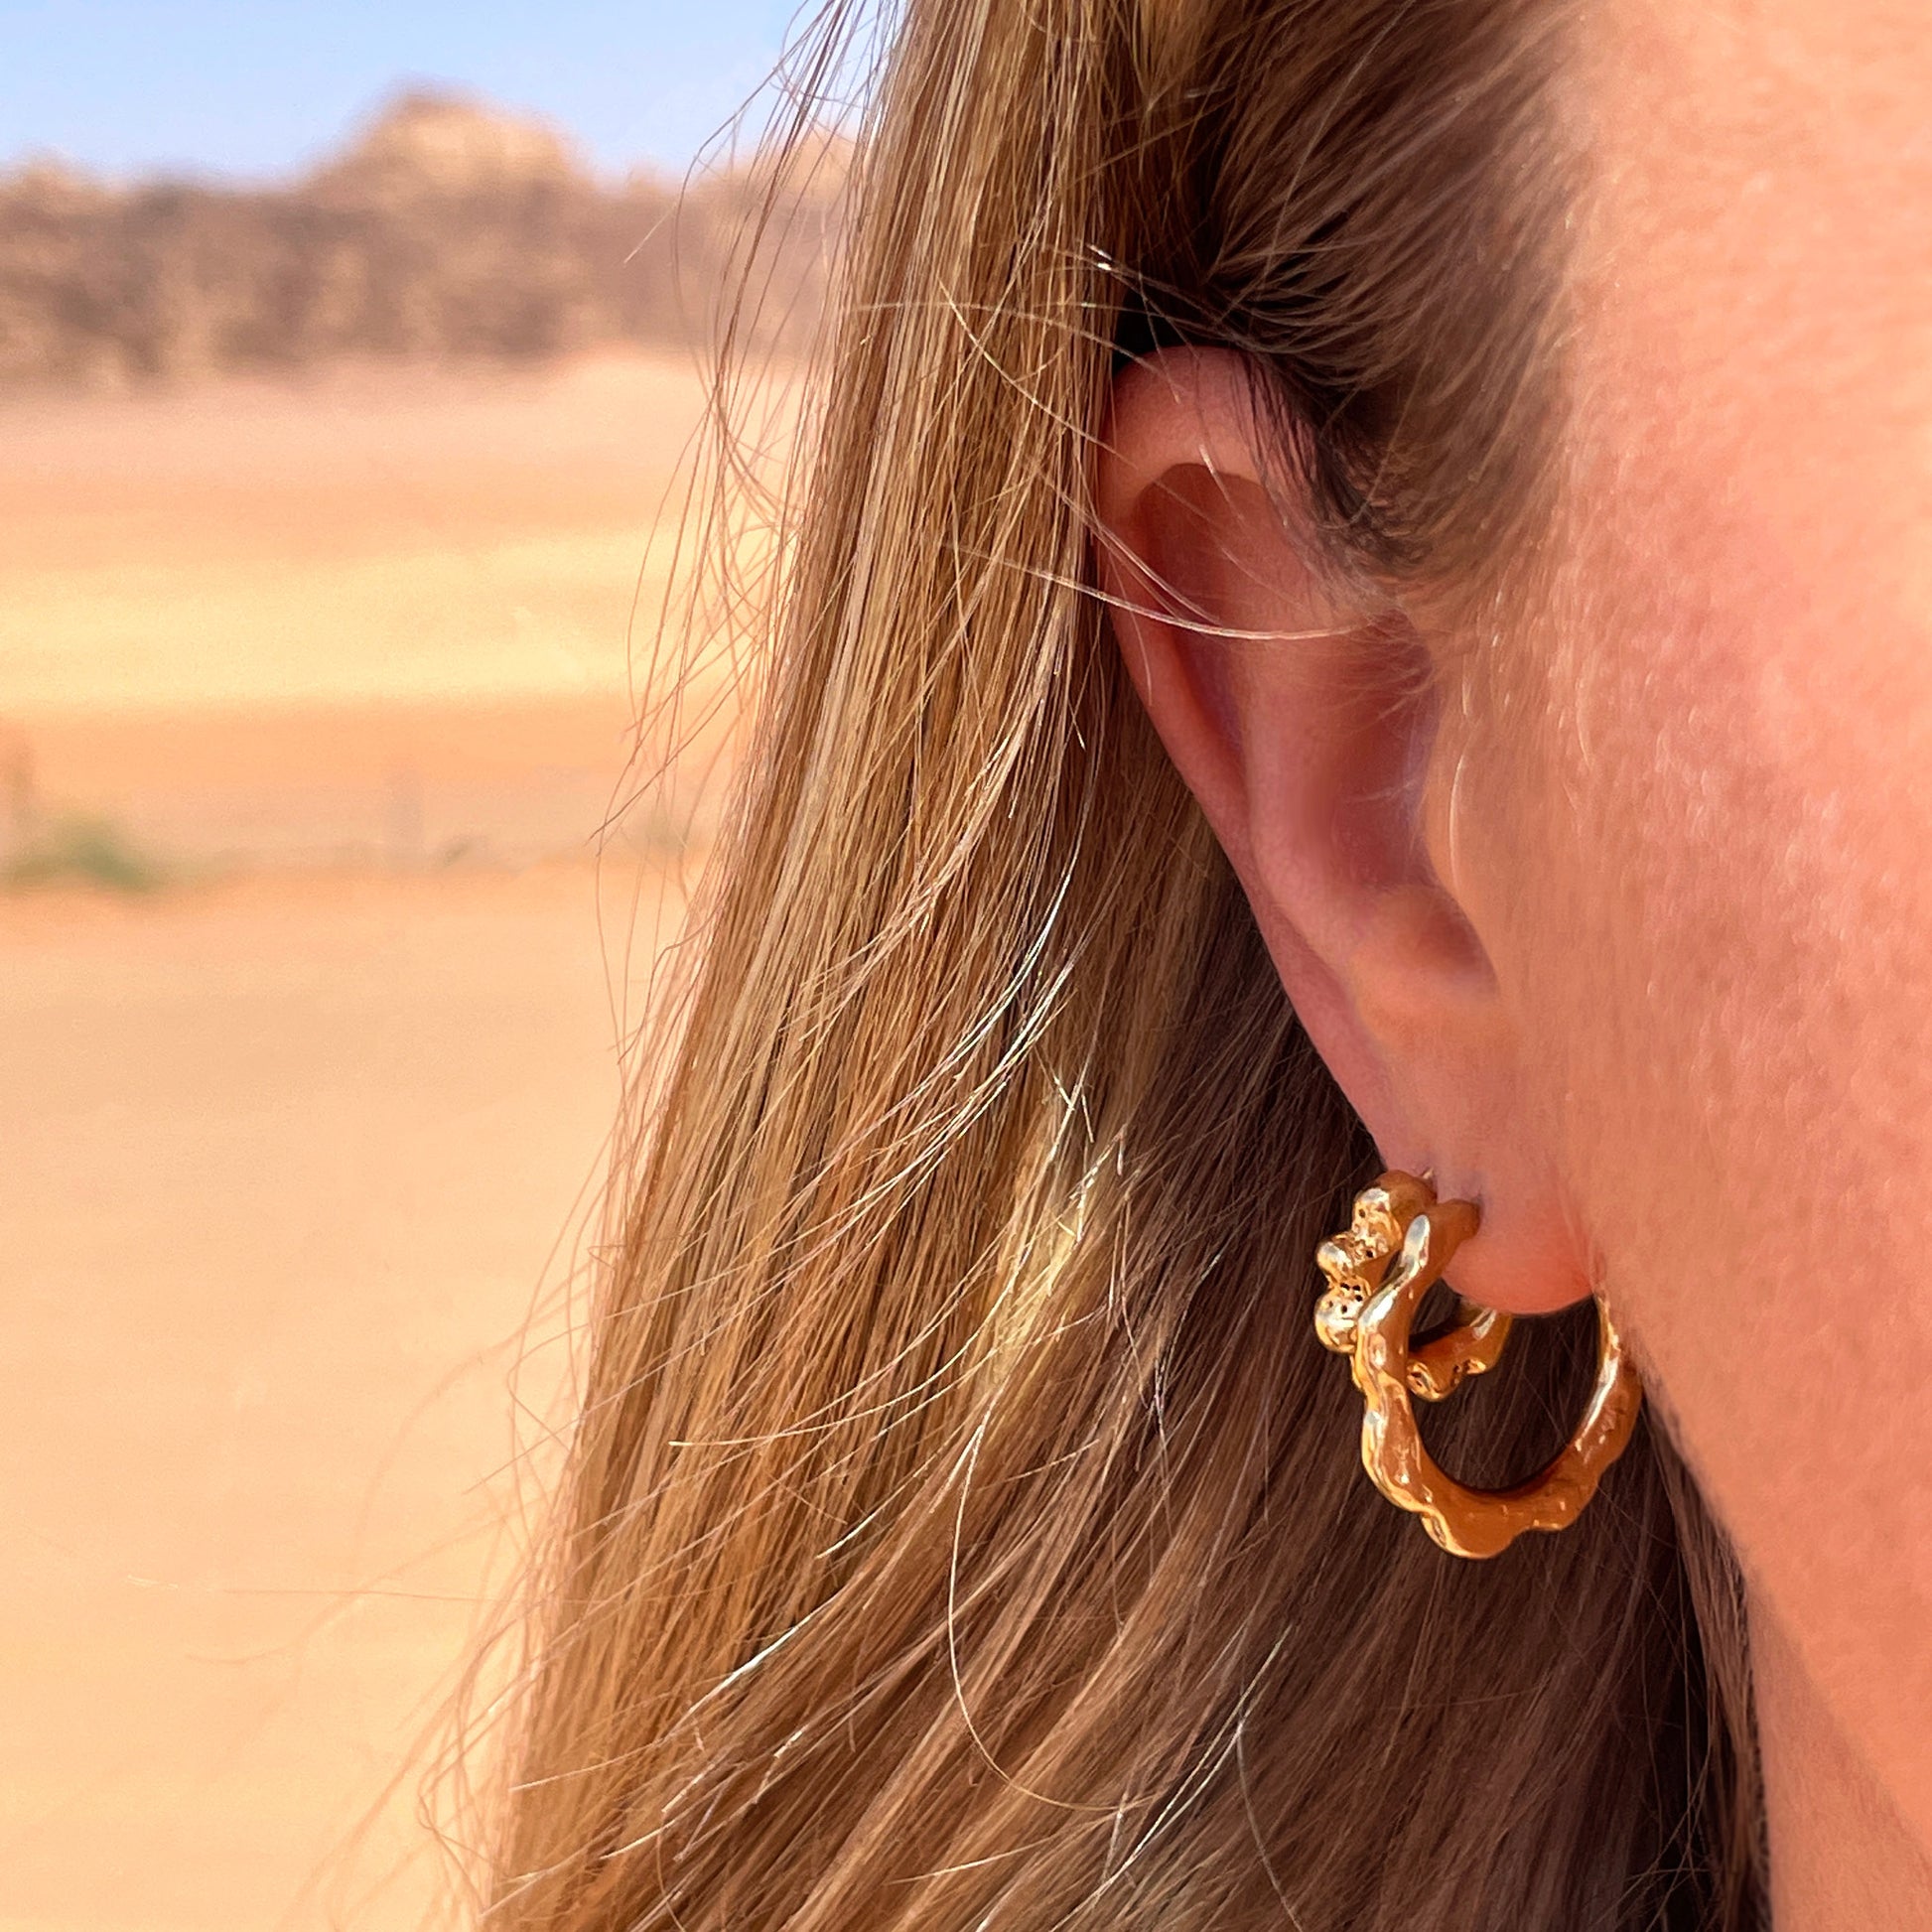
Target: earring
x=1397 y=1243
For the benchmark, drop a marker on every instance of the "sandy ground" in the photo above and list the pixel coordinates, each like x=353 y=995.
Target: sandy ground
x=286 y=1166
x=288 y=1154
x=388 y=618
x=384 y=536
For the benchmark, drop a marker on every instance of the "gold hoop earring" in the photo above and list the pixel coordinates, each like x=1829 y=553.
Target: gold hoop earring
x=1394 y=1251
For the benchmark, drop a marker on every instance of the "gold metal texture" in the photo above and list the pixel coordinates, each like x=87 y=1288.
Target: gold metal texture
x=1355 y=1264
x=1399 y=1241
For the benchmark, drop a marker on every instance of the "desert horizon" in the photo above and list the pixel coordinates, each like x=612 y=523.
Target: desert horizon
x=444 y=232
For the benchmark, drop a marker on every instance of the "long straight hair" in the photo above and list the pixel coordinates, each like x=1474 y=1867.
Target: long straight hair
x=962 y=1529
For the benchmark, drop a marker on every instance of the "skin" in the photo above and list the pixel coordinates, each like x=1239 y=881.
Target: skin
x=1629 y=939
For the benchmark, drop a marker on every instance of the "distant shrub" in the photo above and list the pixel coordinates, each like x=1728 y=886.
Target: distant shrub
x=75 y=849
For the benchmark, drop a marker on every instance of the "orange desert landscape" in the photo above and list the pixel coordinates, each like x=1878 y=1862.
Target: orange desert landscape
x=316 y=707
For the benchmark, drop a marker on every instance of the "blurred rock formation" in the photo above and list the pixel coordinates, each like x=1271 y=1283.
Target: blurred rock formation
x=446 y=231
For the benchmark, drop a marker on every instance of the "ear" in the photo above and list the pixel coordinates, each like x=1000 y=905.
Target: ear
x=1299 y=704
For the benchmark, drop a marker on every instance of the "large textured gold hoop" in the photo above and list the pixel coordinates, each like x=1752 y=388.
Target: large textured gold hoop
x=1394 y=1251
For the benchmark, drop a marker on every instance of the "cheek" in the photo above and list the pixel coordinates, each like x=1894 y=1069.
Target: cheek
x=1721 y=955
x=1721 y=940
x=1730 y=971
x=1727 y=969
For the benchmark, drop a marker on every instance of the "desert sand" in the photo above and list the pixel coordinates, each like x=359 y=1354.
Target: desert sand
x=295 y=1145
x=385 y=617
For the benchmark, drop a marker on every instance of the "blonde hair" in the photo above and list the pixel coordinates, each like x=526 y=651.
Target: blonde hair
x=962 y=1529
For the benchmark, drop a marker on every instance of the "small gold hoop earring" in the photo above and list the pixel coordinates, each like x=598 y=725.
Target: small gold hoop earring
x=1395 y=1249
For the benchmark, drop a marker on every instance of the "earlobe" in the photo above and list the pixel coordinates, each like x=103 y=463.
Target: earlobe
x=1298 y=703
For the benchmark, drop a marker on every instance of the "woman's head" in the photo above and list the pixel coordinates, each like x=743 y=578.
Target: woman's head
x=1413 y=409
x=1624 y=930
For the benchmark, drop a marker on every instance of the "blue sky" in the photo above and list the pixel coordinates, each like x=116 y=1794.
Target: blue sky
x=257 y=87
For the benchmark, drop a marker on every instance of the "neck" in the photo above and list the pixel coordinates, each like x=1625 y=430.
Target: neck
x=1842 y=1860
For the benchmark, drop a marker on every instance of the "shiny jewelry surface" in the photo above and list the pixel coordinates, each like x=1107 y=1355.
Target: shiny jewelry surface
x=1397 y=1244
